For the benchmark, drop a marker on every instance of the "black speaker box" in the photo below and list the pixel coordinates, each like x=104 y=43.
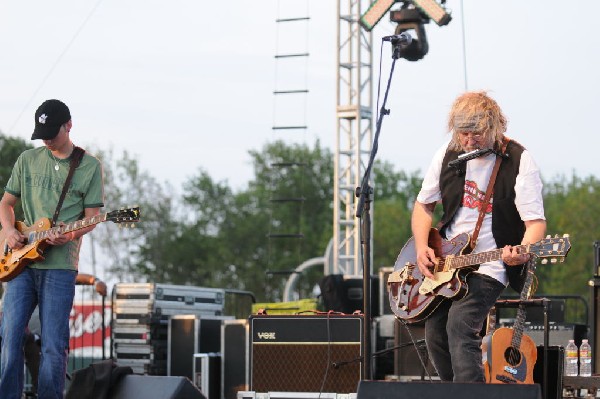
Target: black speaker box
x=556 y=362
x=305 y=353
x=594 y=316
x=155 y=387
x=436 y=390
x=235 y=358
x=559 y=334
x=345 y=295
x=411 y=350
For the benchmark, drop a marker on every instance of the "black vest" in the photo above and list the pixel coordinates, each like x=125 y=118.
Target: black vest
x=507 y=226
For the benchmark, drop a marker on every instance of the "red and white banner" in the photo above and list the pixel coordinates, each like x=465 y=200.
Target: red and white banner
x=85 y=323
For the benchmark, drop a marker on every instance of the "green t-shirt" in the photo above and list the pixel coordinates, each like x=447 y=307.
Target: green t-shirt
x=35 y=180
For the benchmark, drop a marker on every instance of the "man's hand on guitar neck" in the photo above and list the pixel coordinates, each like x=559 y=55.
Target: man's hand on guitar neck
x=56 y=238
x=512 y=257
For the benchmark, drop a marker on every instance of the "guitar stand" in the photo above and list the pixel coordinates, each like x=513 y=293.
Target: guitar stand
x=535 y=302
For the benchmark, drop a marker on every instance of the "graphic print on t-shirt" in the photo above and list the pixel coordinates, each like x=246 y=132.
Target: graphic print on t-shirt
x=473 y=197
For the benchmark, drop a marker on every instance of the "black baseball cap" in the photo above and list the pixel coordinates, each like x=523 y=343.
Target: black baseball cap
x=49 y=117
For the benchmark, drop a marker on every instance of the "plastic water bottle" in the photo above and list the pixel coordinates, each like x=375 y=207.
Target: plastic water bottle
x=585 y=359
x=571 y=369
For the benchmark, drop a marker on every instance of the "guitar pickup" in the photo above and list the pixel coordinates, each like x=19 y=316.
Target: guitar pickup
x=394 y=277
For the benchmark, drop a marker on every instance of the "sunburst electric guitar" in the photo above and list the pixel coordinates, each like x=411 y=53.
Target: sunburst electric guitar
x=413 y=296
x=12 y=262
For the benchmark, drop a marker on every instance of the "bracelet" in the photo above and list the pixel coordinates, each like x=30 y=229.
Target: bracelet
x=72 y=236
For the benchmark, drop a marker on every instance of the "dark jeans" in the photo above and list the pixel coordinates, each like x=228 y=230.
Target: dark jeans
x=452 y=331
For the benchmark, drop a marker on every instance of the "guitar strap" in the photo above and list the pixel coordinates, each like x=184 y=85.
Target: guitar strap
x=76 y=157
x=488 y=194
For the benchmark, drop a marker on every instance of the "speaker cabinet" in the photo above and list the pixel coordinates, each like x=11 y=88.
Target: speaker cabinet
x=556 y=362
x=305 y=353
x=436 y=390
x=155 y=387
x=187 y=335
x=560 y=334
x=234 y=358
x=594 y=316
x=207 y=374
x=345 y=294
x=411 y=350
x=382 y=344
x=384 y=300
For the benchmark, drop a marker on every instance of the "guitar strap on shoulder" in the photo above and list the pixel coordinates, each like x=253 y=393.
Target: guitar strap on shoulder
x=76 y=157
x=488 y=194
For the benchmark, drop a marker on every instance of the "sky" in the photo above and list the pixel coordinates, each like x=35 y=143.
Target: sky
x=188 y=85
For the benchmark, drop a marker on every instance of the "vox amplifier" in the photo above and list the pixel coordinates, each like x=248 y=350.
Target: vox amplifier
x=305 y=353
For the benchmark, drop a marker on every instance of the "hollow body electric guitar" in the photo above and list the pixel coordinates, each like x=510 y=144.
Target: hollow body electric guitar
x=12 y=262
x=413 y=296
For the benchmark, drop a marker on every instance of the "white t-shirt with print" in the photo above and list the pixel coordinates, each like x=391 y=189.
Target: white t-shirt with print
x=528 y=200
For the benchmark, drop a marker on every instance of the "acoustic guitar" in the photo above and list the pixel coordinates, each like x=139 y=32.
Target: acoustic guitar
x=12 y=261
x=512 y=354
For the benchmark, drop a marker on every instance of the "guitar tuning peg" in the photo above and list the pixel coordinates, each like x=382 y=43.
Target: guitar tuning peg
x=566 y=235
x=548 y=236
x=132 y=225
x=544 y=261
x=553 y=260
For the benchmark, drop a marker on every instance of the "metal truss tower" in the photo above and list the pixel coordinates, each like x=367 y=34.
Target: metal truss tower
x=354 y=134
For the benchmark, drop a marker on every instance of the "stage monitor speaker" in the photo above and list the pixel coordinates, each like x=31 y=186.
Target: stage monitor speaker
x=436 y=390
x=155 y=387
x=305 y=353
x=406 y=357
x=345 y=294
x=234 y=358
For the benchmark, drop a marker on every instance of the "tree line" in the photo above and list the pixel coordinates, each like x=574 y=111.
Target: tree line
x=214 y=236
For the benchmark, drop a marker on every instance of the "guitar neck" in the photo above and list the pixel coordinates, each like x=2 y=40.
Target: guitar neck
x=71 y=226
x=521 y=312
x=460 y=261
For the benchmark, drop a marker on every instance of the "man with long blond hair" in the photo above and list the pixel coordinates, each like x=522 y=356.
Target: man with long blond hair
x=514 y=215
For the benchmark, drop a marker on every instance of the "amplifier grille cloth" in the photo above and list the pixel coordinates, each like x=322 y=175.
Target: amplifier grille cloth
x=302 y=368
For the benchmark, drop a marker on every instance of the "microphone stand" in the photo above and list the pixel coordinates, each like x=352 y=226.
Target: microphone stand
x=364 y=193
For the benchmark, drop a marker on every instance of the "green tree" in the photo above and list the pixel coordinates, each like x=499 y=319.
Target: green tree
x=395 y=193
x=571 y=206
x=231 y=230
x=10 y=149
x=125 y=251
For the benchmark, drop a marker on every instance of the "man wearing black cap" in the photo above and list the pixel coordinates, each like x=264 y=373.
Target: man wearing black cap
x=37 y=180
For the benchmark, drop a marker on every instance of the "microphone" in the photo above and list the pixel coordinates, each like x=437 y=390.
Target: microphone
x=468 y=156
x=402 y=38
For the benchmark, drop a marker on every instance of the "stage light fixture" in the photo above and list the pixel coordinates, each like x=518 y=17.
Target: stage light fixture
x=376 y=11
x=413 y=21
x=434 y=11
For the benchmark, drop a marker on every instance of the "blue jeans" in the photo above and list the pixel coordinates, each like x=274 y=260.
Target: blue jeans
x=53 y=292
x=452 y=331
